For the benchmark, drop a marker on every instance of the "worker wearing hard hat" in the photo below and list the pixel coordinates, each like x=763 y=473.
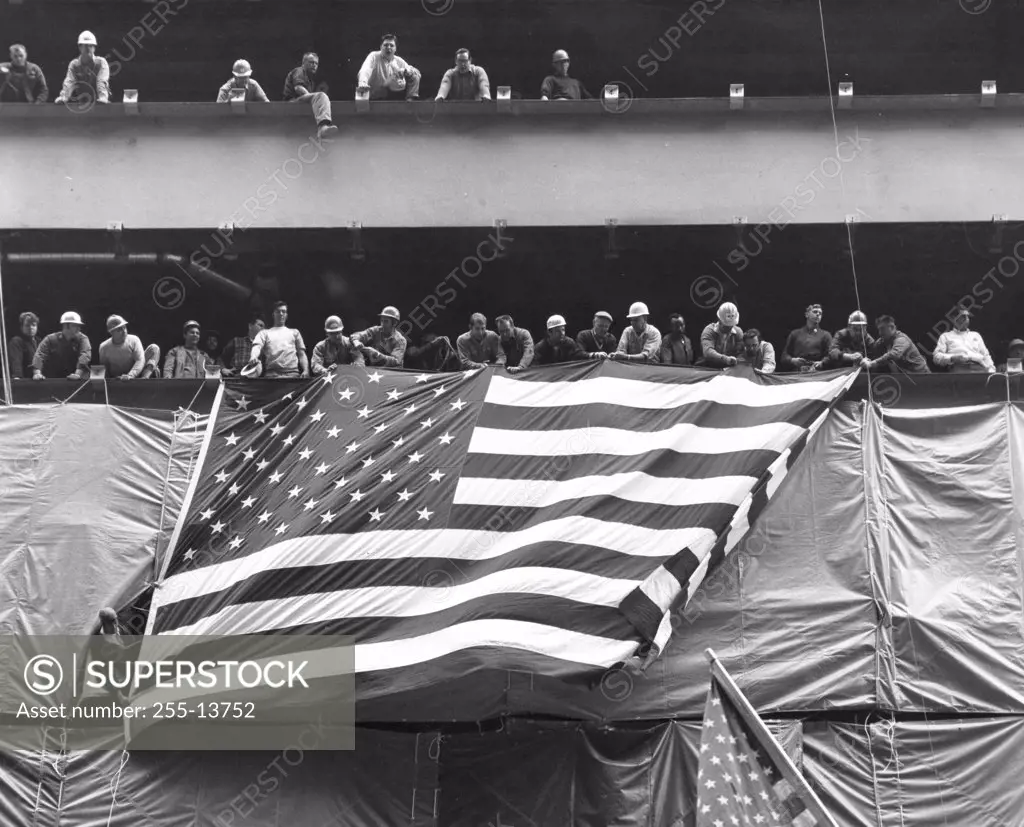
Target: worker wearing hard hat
x=559 y=86
x=64 y=354
x=851 y=344
x=122 y=354
x=241 y=78
x=640 y=342
x=88 y=77
x=382 y=344
x=336 y=349
x=722 y=341
x=557 y=347
x=597 y=341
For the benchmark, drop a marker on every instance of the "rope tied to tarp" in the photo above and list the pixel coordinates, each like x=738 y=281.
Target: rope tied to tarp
x=115 y=781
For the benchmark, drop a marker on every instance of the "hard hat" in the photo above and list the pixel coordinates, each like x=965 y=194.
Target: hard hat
x=556 y=321
x=190 y=324
x=71 y=318
x=856 y=317
x=114 y=322
x=87 y=39
x=728 y=308
x=560 y=54
x=637 y=309
x=108 y=614
x=603 y=314
x=1016 y=343
x=241 y=69
x=333 y=324
x=390 y=313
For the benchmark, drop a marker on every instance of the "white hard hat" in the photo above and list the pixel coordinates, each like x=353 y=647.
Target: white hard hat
x=241 y=69
x=87 y=39
x=391 y=313
x=114 y=322
x=71 y=317
x=333 y=324
x=560 y=54
x=556 y=321
x=856 y=317
x=637 y=309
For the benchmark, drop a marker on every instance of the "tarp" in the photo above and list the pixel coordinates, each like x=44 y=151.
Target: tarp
x=90 y=494
x=861 y=587
x=962 y=772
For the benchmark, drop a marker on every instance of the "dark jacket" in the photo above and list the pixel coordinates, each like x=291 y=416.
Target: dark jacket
x=566 y=350
x=518 y=349
x=21 y=350
x=23 y=87
x=849 y=340
x=675 y=351
x=899 y=354
x=587 y=340
x=813 y=345
x=58 y=358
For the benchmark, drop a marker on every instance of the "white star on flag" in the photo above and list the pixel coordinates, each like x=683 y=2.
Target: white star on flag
x=232 y=439
x=376 y=376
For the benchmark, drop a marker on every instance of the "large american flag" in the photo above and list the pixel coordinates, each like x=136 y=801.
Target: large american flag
x=548 y=521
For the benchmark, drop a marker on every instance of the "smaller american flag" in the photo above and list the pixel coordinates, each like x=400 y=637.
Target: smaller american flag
x=739 y=783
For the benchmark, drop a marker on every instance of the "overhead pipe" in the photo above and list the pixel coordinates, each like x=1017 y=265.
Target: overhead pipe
x=196 y=271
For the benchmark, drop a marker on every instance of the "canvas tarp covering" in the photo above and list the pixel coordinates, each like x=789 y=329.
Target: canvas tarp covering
x=958 y=773
x=885 y=575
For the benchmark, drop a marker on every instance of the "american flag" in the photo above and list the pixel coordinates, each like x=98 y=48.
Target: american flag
x=738 y=783
x=548 y=521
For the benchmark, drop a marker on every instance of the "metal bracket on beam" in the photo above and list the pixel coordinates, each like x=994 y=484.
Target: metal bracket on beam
x=357 y=252
x=504 y=99
x=988 y=93
x=853 y=218
x=612 y=251
x=131 y=101
x=735 y=95
x=845 y=95
x=362 y=100
x=236 y=97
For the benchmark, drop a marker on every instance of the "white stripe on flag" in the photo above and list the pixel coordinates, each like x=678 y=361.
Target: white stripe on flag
x=572 y=647
x=407 y=601
x=635 y=393
x=684 y=436
x=453 y=544
x=634 y=486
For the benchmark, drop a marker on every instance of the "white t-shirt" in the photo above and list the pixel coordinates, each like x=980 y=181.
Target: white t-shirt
x=280 y=348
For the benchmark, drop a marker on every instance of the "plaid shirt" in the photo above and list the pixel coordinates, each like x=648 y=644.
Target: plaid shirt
x=239 y=348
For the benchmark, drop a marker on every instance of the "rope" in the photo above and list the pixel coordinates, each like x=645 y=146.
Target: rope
x=5 y=367
x=115 y=781
x=79 y=388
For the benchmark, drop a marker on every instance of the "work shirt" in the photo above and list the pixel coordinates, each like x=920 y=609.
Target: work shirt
x=95 y=76
x=300 y=77
x=465 y=86
x=390 y=349
x=963 y=343
x=763 y=358
x=558 y=88
x=21 y=350
x=253 y=92
x=129 y=357
x=718 y=343
x=186 y=363
x=675 y=350
x=900 y=353
x=380 y=74
x=564 y=350
x=518 y=348
x=279 y=347
x=588 y=340
x=646 y=343
x=328 y=352
x=26 y=84
x=474 y=352
x=58 y=358
x=235 y=355
x=813 y=345
x=849 y=340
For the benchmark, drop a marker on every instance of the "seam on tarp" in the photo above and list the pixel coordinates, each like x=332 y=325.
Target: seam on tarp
x=866 y=410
